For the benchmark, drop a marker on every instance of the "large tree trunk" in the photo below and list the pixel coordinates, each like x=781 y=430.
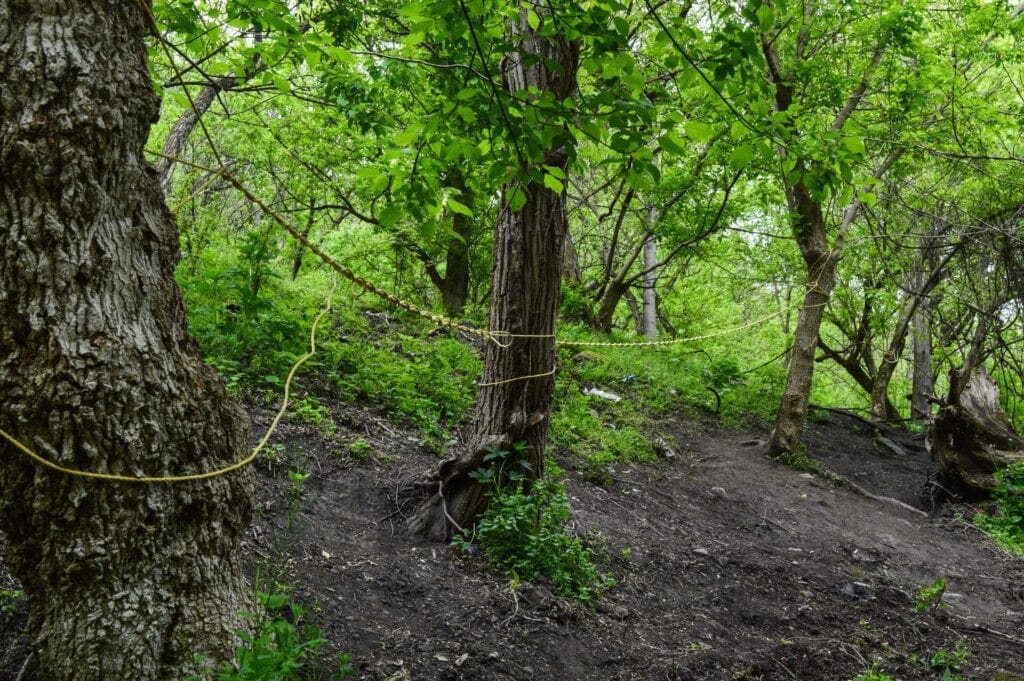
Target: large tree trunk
x=971 y=438
x=97 y=371
x=518 y=380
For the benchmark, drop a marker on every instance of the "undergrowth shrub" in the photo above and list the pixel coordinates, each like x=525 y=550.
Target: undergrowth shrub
x=1006 y=523
x=527 y=534
x=281 y=647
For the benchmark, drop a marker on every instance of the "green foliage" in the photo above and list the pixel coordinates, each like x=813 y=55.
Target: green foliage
x=428 y=380
x=527 y=534
x=309 y=410
x=1006 y=523
x=280 y=646
x=360 y=449
x=9 y=602
x=929 y=598
x=950 y=663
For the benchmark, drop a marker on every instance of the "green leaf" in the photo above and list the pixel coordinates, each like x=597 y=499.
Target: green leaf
x=672 y=144
x=741 y=156
x=457 y=207
x=553 y=183
x=698 y=132
x=516 y=198
x=389 y=215
x=868 y=198
x=275 y=601
x=407 y=136
x=854 y=145
x=282 y=85
x=532 y=19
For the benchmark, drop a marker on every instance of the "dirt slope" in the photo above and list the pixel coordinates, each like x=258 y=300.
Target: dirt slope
x=730 y=567
x=737 y=568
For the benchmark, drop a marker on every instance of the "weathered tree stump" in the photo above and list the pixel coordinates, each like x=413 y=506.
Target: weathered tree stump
x=971 y=438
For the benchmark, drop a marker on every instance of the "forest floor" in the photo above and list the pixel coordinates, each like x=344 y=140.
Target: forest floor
x=729 y=566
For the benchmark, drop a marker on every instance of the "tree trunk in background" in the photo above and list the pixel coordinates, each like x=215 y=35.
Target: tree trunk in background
x=650 y=315
x=455 y=292
x=184 y=126
x=97 y=371
x=525 y=288
x=809 y=228
x=923 y=384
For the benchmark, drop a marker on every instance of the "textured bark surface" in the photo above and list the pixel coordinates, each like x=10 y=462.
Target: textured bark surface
x=650 y=316
x=971 y=438
x=922 y=381
x=97 y=371
x=525 y=288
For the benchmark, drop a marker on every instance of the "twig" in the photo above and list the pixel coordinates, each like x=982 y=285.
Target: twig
x=24 y=666
x=444 y=507
x=986 y=630
x=838 y=479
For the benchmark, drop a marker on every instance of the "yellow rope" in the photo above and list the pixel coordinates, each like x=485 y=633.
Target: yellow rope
x=519 y=378
x=110 y=477
x=671 y=341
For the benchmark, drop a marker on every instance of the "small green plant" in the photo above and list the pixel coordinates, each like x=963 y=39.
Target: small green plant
x=929 y=598
x=280 y=645
x=9 y=601
x=360 y=449
x=309 y=410
x=950 y=663
x=1006 y=524
x=874 y=674
x=526 y=534
x=799 y=460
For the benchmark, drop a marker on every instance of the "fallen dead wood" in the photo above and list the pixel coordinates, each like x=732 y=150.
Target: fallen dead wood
x=971 y=438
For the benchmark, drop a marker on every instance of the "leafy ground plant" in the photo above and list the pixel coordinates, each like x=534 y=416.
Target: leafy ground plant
x=527 y=534
x=280 y=646
x=1006 y=523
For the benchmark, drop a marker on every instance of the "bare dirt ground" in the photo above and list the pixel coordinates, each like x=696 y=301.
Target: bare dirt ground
x=729 y=566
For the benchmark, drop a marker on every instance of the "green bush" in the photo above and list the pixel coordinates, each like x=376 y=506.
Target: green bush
x=527 y=534
x=1006 y=523
x=280 y=646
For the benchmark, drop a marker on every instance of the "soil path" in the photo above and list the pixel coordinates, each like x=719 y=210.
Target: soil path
x=729 y=566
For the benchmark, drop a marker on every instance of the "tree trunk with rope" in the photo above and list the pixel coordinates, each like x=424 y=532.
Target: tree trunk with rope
x=514 y=402
x=98 y=373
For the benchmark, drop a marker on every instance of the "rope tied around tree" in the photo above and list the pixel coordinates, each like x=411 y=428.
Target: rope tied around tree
x=191 y=477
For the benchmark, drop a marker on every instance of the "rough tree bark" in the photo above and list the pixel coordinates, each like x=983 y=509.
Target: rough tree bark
x=525 y=287
x=125 y=581
x=922 y=381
